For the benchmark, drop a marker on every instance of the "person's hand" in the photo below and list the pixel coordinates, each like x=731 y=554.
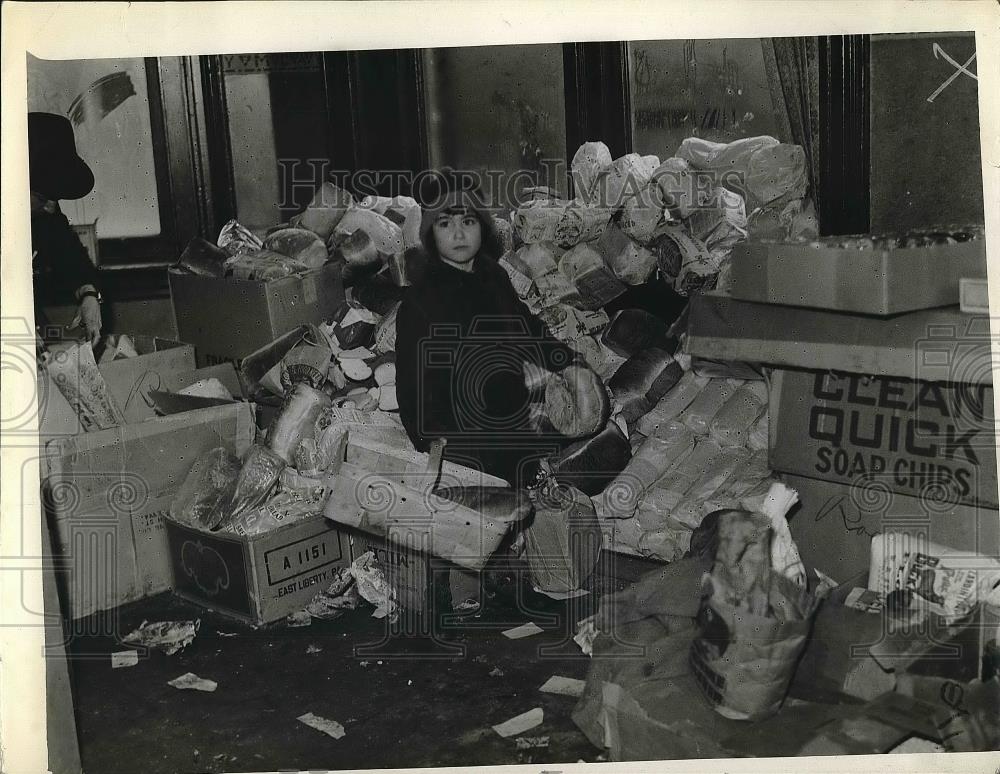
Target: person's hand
x=89 y=315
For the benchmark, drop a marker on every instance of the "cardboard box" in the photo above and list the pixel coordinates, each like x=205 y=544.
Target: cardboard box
x=256 y=578
x=933 y=345
x=407 y=569
x=227 y=319
x=129 y=382
x=107 y=494
x=833 y=524
x=877 y=281
x=931 y=440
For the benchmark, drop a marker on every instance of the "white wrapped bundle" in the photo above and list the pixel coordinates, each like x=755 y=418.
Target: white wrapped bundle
x=584 y=267
x=406 y=213
x=581 y=223
x=686 y=261
x=576 y=402
x=630 y=261
x=591 y=160
x=745 y=478
x=757 y=438
x=385 y=235
x=650 y=462
x=325 y=211
x=599 y=357
x=777 y=172
x=537 y=220
x=725 y=157
x=699 y=415
x=555 y=289
x=567 y=323
x=723 y=467
x=679 y=188
x=505 y=232
x=721 y=224
x=671 y=405
x=377 y=203
x=535 y=260
x=299 y=244
x=682 y=476
x=667 y=545
x=626 y=177
x=649 y=164
x=656 y=506
x=626 y=535
x=642 y=213
x=731 y=424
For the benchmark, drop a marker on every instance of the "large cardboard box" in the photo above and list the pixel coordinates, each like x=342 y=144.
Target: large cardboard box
x=129 y=380
x=877 y=281
x=933 y=345
x=833 y=524
x=227 y=319
x=257 y=578
x=107 y=493
x=933 y=440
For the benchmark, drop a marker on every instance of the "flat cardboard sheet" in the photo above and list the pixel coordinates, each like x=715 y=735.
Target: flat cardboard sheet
x=933 y=345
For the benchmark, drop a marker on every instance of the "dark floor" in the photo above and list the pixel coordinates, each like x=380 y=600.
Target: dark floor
x=403 y=702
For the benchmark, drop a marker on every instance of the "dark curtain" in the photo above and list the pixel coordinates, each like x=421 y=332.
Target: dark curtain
x=792 y=66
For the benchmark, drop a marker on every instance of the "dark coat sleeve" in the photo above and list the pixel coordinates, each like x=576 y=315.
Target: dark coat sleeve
x=422 y=393
x=64 y=266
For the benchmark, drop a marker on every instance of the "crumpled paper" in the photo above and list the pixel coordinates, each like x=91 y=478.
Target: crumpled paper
x=168 y=636
x=328 y=727
x=374 y=587
x=785 y=557
x=191 y=682
x=342 y=594
x=521 y=723
x=586 y=633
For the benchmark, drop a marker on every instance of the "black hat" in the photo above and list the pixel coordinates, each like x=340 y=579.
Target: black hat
x=55 y=168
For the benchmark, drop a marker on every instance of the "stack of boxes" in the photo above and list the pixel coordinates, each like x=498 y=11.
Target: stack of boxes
x=106 y=492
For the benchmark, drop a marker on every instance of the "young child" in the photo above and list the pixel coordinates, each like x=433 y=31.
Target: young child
x=462 y=338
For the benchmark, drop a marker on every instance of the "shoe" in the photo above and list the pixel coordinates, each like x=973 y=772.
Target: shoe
x=467 y=608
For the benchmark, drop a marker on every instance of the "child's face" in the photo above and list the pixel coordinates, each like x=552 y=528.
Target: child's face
x=458 y=236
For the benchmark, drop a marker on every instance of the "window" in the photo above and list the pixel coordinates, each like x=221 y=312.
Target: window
x=715 y=89
x=114 y=105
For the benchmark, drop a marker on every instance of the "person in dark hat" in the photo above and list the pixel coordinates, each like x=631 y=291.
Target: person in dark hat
x=462 y=338
x=62 y=272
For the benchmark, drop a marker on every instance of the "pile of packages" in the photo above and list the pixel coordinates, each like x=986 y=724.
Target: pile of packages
x=656 y=443
x=733 y=632
x=366 y=236
x=681 y=440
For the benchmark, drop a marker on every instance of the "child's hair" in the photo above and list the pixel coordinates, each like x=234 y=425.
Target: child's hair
x=455 y=191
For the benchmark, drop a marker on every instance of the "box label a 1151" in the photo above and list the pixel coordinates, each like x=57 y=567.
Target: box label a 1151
x=303 y=563
x=929 y=439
